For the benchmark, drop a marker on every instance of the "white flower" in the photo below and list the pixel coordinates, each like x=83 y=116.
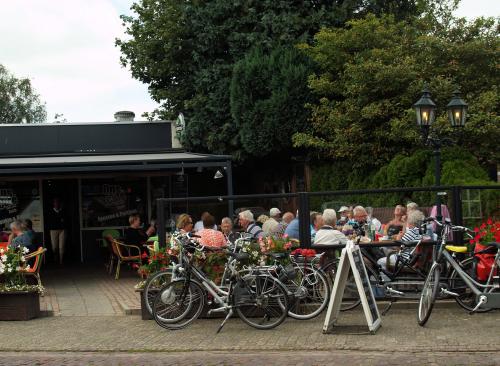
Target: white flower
x=9 y=269
x=25 y=250
x=4 y=258
x=1 y=250
x=27 y=267
x=23 y=259
x=18 y=268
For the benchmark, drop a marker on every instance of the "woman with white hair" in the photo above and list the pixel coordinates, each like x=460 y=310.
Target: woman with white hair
x=327 y=234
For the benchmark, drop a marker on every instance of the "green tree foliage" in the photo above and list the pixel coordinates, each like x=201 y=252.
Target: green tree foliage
x=268 y=94
x=186 y=52
x=371 y=73
x=19 y=103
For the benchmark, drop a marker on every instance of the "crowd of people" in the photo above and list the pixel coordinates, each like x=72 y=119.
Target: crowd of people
x=326 y=227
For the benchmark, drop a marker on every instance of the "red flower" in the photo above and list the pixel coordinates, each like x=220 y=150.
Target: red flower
x=144 y=255
x=476 y=229
x=490 y=221
x=472 y=241
x=483 y=225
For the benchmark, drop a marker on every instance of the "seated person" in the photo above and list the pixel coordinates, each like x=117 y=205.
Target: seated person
x=226 y=227
x=19 y=236
x=135 y=235
x=210 y=237
x=327 y=234
x=316 y=223
x=415 y=219
x=396 y=225
x=29 y=229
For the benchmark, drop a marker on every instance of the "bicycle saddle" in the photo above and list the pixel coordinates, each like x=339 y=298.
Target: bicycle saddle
x=239 y=256
x=456 y=249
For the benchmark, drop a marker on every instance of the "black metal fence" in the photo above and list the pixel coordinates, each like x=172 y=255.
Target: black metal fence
x=468 y=205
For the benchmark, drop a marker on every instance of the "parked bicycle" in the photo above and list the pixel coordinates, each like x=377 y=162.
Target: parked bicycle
x=259 y=299
x=462 y=283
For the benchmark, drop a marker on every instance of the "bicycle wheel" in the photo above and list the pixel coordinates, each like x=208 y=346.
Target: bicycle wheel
x=261 y=301
x=466 y=299
x=350 y=299
x=153 y=285
x=178 y=304
x=311 y=293
x=428 y=294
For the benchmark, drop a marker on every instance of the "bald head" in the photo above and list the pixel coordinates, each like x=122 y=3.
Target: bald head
x=288 y=217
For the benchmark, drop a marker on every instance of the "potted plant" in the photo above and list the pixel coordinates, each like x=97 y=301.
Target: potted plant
x=20 y=301
x=488 y=231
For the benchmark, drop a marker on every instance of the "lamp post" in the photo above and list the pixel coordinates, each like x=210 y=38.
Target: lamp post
x=425 y=110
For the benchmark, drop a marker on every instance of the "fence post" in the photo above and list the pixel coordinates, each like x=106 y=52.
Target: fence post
x=457 y=213
x=304 y=221
x=160 y=207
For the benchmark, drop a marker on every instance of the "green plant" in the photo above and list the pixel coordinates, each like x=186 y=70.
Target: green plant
x=12 y=264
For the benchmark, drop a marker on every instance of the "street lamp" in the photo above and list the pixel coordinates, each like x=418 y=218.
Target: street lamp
x=425 y=110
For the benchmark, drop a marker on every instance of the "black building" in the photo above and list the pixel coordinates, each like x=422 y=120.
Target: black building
x=102 y=173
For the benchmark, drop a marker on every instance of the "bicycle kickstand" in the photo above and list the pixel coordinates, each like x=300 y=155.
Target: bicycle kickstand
x=229 y=314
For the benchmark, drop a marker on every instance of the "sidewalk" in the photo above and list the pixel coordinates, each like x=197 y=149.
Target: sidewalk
x=448 y=330
x=89 y=292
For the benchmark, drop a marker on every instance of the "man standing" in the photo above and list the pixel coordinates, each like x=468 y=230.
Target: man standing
x=247 y=222
x=56 y=226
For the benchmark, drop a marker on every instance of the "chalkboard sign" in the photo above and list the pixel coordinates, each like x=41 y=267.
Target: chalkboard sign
x=352 y=259
x=365 y=282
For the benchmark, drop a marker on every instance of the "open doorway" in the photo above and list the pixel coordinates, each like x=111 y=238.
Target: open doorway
x=66 y=192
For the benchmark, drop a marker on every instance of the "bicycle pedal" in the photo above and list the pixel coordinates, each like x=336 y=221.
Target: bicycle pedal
x=447 y=292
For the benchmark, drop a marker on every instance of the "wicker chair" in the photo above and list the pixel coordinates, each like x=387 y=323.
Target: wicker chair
x=123 y=253
x=35 y=269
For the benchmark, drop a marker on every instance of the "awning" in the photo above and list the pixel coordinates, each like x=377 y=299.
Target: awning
x=108 y=162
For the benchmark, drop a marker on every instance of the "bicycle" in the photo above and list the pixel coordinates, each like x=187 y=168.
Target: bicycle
x=461 y=284
x=307 y=285
x=258 y=298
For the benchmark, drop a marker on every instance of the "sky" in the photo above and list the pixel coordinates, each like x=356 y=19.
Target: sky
x=66 y=48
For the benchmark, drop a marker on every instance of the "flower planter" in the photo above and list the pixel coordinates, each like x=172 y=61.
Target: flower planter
x=22 y=305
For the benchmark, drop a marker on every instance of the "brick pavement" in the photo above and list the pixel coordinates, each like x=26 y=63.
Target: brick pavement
x=287 y=358
x=448 y=330
x=88 y=291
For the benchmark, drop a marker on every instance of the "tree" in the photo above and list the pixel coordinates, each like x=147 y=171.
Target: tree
x=268 y=94
x=371 y=73
x=186 y=52
x=19 y=103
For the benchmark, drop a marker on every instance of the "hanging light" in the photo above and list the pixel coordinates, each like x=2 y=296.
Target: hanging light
x=218 y=175
x=457 y=110
x=425 y=109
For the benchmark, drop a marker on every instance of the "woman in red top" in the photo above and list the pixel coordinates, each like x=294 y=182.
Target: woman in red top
x=210 y=237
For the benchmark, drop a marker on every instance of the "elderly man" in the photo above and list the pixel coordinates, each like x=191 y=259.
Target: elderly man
x=271 y=226
x=327 y=234
x=226 y=226
x=247 y=222
x=19 y=236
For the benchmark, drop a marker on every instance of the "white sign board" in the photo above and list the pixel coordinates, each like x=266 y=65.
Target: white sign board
x=352 y=258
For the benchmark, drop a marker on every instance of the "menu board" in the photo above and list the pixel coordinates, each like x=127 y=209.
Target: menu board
x=20 y=200
x=109 y=202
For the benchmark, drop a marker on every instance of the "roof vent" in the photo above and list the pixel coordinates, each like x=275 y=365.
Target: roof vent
x=124 y=116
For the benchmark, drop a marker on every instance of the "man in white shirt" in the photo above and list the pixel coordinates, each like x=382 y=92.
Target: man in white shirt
x=327 y=234
x=199 y=224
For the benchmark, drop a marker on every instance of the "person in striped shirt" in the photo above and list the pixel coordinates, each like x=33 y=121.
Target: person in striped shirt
x=412 y=233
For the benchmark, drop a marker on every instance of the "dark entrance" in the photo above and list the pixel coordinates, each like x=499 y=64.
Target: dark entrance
x=66 y=190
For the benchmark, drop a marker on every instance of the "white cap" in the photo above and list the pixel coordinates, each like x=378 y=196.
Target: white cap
x=274 y=212
x=343 y=208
